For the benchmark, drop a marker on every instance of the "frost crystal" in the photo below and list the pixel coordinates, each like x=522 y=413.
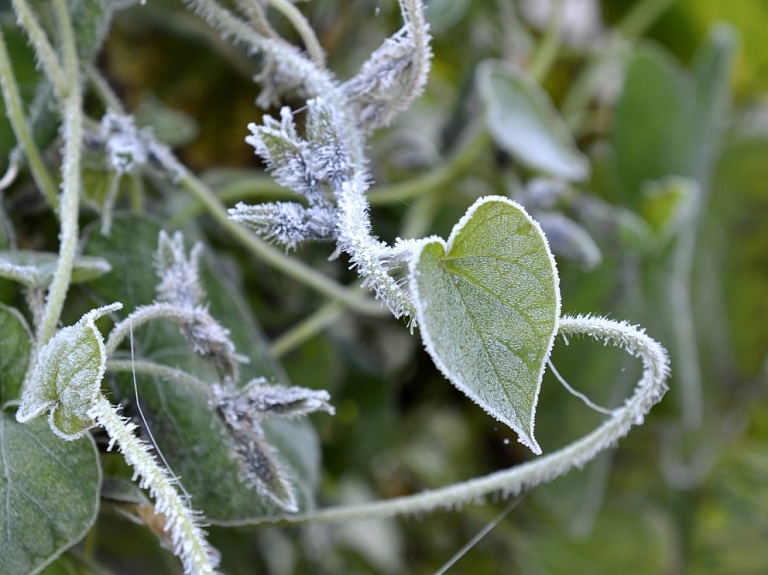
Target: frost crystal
x=180 y=286
x=128 y=147
x=244 y=409
x=389 y=81
x=287 y=223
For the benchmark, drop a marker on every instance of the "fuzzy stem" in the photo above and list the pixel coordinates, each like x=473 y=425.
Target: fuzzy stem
x=15 y=112
x=180 y=315
x=71 y=178
x=187 y=536
x=104 y=91
x=44 y=52
x=297 y=19
x=158 y=370
x=367 y=254
x=649 y=391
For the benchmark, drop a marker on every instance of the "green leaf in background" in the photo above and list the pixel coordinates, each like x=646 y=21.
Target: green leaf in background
x=650 y=134
x=488 y=303
x=15 y=346
x=36 y=269
x=67 y=377
x=524 y=122
x=50 y=493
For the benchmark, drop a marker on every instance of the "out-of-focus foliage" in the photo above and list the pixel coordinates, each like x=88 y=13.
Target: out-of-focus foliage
x=670 y=106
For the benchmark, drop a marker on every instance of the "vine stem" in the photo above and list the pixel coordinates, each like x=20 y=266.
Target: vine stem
x=297 y=19
x=15 y=112
x=71 y=178
x=187 y=536
x=44 y=52
x=158 y=370
x=649 y=391
x=306 y=329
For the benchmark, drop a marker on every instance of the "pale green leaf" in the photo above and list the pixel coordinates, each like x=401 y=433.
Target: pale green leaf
x=524 y=122
x=67 y=377
x=50 y=494
x=487 y=303
x=15 y=345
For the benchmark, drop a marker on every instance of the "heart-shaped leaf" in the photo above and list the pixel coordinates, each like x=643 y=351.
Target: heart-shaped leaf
x=487 y=303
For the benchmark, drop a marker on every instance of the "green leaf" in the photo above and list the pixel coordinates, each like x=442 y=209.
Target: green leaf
x=50 y=494
x=15 y=346
x=523 y=121
x=67 y=377
x=651 y=131
x=488 y=305
x=36 y=269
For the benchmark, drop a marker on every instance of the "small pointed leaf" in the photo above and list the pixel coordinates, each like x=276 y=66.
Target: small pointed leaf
x=523 y=121
x=67 y=377
x=50 y=494
x=487 y=303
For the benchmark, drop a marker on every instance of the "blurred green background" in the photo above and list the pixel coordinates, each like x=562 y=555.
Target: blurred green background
x=669 y=100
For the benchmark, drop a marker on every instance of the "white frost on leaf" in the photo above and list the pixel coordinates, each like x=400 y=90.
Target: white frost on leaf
x=67 y=377
x=180 y=286
x=243 y=411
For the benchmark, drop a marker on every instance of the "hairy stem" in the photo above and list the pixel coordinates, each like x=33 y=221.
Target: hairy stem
x=297 y=19
x=71 y=178
x=648 y=392
x=159 y=370
x=186 y=534
x=291 y=267
x=44 y=51
x=15 y=112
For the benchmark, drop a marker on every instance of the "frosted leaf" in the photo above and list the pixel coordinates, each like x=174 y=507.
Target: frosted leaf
x=243 y=410
x=488 y=304
x=259 y=400
x=180 y=286
x=179 y=275
x=66 y=380
x=287 y=223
